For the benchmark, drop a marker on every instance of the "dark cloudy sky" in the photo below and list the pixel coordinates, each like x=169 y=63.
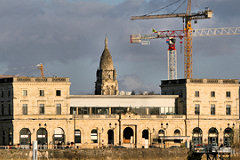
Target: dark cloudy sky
x=67 y=36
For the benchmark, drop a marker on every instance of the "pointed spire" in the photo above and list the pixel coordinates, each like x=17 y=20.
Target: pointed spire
x=106 y=41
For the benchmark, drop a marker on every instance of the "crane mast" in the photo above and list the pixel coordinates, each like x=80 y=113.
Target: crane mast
x=40 y=67
x=172 y=59
x=188 y=43
x=188 y=17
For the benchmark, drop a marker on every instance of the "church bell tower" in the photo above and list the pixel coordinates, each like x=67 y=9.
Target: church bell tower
x=106 y=83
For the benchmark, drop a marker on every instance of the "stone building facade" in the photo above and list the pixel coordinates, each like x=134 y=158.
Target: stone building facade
x=41 y=109
x=33 y=108
x=130 y=121
x=201 y=111
x=106 y=83
x=211 y=107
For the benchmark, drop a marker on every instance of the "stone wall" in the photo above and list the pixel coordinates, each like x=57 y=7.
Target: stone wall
x=97 y=154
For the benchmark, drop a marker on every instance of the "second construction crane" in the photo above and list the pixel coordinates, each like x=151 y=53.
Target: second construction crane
x=188 y=17
x=173 y=34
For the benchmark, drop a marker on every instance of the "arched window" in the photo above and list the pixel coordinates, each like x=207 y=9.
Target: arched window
x=94 y=136
x=213 y=136
x=228 y=137
x=161 y=133
x=59 y=136
x=197 y=136
x=25 y=136
x=42 y=138
x=177 y=132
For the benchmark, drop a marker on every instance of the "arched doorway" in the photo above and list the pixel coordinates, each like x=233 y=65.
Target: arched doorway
x=197 y=136
x=161 y=134
x=228 y=137
x=25 y=138
x=145 y=134
x=213 y=136
x=42 y=138
x=145 y=138
x=128 y=135
x=110 y=137
x=58 y=137
x=177 y=134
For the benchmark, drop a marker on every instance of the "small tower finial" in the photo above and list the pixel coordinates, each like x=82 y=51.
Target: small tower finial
x=106 y=41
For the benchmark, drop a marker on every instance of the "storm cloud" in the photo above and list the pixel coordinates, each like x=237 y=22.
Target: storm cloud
x=67 y=36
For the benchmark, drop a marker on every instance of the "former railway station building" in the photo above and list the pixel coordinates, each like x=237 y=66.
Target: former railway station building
x=188 y=110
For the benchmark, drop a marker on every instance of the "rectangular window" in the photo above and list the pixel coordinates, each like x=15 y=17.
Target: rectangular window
x=24 y=92
x=100 y=110
x=41 y=109
x=228 y=94
x=228 y=109
x=58 y=109
x=9 y=110
x=162 y=110
x=213 y=94
x=2 y=109
x=2 y=93
x=83 y=110
x=117 y=110
x=180 y=94
x=154 y=110
x=41 y=92
x=197 y=109
x=73 y=110
x=139 y=110
x=9 y=93
x=196 y=93
x=212 y=109
x=6 y=110
x=58 y=92
x=25 y=109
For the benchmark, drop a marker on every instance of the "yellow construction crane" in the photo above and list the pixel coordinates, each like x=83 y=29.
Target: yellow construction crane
x=40 y=67
x=188 y=17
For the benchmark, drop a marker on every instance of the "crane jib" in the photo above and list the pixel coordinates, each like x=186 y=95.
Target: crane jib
x=194 y=16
